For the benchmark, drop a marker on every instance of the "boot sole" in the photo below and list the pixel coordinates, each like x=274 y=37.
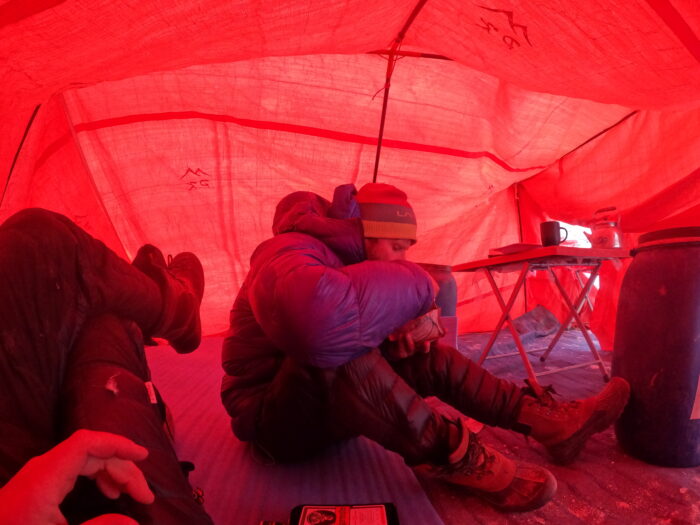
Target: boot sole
x=565 y=452
x=546 y=493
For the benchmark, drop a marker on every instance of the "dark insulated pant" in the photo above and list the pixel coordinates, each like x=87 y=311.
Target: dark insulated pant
x=107 y=387
x=53 y=278
x=307 y=409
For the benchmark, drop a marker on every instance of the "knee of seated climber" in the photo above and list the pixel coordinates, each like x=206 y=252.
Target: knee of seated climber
x=106 y=385
x=38 y=220
x=108 y=339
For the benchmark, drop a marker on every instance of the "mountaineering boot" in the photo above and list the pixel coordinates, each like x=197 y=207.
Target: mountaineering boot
x=563 y=428
x=506 y=485
x=181 y=283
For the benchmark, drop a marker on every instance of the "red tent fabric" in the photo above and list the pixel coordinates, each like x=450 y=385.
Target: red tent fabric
x=183 y=123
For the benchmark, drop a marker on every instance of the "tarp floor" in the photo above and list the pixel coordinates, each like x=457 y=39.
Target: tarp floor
x=240 y=489
x=604 y=486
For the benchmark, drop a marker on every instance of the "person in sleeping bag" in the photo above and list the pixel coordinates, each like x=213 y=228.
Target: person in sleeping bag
x=73 y=317
x=333 y=335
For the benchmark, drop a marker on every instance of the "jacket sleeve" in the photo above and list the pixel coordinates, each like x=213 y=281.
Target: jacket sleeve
x=324 y=314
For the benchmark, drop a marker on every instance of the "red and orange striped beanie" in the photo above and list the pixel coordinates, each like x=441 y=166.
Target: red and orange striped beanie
x=385 y=212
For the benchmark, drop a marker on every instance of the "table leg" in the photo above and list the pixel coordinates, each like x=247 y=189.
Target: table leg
x=573 y=312
x=507 y=318
x=577 y=276
x=569 y=317
x=493 y=336
x=506 y=309
x=577 y=273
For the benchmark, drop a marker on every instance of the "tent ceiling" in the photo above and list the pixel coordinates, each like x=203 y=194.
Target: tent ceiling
x=640 y=54
x=161 y=120
x=625 y=53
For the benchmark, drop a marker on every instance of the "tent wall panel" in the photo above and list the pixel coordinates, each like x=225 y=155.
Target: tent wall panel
x=185 y=122
x=634 y=166
x=51 y=173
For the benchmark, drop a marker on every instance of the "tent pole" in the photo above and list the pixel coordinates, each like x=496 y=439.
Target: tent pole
x=387 y=85
x=413 y=54
x=19 y=148
x=520 y=235
x=389 y=71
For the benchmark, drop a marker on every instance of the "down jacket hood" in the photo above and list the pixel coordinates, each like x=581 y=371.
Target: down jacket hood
x=336 y=224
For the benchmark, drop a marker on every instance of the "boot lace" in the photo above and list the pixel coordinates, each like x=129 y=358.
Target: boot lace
x=544 y=405
x=545 y=402
x=546 y=397
x=476 y=462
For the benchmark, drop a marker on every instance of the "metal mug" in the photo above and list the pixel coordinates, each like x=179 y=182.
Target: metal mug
x=550 y=233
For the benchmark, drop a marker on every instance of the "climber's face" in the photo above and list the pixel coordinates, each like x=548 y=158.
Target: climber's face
x=387 y=249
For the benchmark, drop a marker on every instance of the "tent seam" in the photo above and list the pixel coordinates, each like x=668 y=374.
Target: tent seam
x=282 y=127
x=88 y=171
x=19 y=149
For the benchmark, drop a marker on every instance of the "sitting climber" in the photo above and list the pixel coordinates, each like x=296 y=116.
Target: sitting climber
x=324 y=345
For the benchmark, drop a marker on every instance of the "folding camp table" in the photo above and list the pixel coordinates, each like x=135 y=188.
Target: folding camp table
x=545 y=258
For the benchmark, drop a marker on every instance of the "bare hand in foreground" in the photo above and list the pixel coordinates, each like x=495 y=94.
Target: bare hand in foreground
x=33 y=495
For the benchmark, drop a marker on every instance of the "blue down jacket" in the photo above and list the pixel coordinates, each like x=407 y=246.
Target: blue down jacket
x=311 y=296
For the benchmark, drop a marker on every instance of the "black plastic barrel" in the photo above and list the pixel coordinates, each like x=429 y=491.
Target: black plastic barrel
x=447 y=287
x=657 y=349
x=446 y=299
